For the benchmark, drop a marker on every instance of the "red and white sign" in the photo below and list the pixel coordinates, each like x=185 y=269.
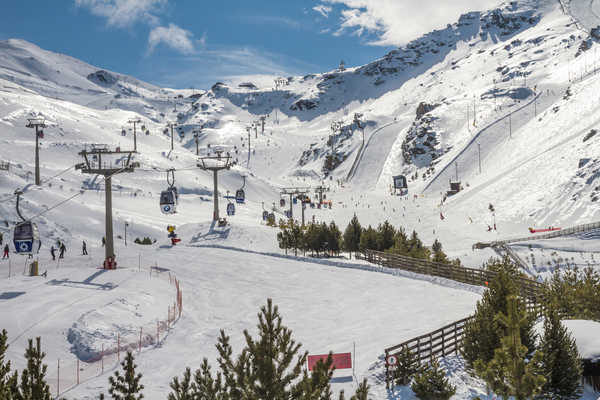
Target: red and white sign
x=340 y=360
x=391 y=360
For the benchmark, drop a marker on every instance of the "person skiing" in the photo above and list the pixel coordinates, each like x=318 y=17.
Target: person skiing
x=84 y=249
x=62 y=250
x=6 y=250
x=103 y=241
x=1 y=238
x=53 y=253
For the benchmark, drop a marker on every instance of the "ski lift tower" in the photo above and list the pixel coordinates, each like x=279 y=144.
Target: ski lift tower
x=215 y=164
x=100 y=160
x=262 y=119
x=297 y=192
x=171 y=125
x=37 y=123
x=319 y=190
x=135 y=121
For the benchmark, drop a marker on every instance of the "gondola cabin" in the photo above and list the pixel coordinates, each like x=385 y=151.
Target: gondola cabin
x=265 y=215
x=168 y=201
x=240 y=196
x=400 y=184
x=282 y=202
x=26 y=238
x=230 y=209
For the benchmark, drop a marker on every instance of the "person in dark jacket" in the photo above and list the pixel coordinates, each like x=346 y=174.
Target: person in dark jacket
x=53 y=252
x=84 y=249
x=62 y=250
x=6 y=250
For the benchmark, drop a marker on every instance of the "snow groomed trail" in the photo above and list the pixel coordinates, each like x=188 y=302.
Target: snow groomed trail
x=374 y=154
x=585 y=12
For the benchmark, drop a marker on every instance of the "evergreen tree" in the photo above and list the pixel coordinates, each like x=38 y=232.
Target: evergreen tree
x=406 y=368
x=416 y=249
x=509 y=373
x=296 y=237
x=182 y=390
x=385 y=236
x=561 y=363
x=8 y=382
x=483 y=334
x=368 y=239
x=352 y=236
x=312 y=239
x=270 y=366
x=431 y=384
x=334 y=238
x=283 y=239
x=400 y=243
x=438 y=254
x=33 y=378
x=126 y=386
x=323 y=237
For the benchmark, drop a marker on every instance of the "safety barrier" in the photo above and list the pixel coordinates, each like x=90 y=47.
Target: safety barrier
x=65 y=374
x=529 y=288
x=563 y=232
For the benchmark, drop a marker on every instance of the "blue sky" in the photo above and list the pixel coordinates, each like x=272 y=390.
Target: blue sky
x=194 y=43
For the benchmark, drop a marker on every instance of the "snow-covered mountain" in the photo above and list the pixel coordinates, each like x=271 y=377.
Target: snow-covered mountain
x=504 y=100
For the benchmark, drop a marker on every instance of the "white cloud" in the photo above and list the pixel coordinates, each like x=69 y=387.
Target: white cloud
x=175 y=37
x=123 y=13
x=323 y=10
x=396 y=22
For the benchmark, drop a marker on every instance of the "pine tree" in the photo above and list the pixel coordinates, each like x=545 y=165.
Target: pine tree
x=406 y=368
x=334 y=238
x=438 y=253
x=368 y=239
x=432 y=384
x=509 y=373
x=283 y=239
x=296 y=237
x=33 y=378
x=385 y=236
x=269 y=367
x=561 y=363
x=483 y=334
x=8 y=382
x=182 y=390
x=352 y=236
x=126 y=386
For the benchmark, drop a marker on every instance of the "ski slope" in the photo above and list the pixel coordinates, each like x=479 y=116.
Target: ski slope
x=476 y=72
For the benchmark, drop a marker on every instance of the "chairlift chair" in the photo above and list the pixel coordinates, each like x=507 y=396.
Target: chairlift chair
x=265 y=215
x=26 y=238
x=282 y=202
x=295 y=200
x=123 y=132
x=41 y=134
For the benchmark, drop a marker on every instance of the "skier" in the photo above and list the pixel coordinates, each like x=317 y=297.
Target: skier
x=6 y=250
x=84 y=249
x=1 y=238
x=103 y=241
x=62 y=250
x=53 y=253
x=441 y=216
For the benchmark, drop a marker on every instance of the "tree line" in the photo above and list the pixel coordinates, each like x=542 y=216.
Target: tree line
x=270 y=366
x=327 y=239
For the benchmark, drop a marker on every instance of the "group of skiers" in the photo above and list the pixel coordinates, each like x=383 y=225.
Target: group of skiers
x=62 y=249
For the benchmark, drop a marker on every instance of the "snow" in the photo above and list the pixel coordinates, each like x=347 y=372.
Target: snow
x=532 y=176
x=587 y=336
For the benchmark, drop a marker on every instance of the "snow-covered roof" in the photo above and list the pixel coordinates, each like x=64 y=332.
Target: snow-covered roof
x=587 y=336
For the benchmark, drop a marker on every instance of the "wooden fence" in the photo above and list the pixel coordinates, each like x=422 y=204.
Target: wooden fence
x=529 y=288
x=447 y=339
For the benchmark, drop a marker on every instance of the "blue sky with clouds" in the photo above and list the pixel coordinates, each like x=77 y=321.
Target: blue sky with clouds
x=194 y=43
